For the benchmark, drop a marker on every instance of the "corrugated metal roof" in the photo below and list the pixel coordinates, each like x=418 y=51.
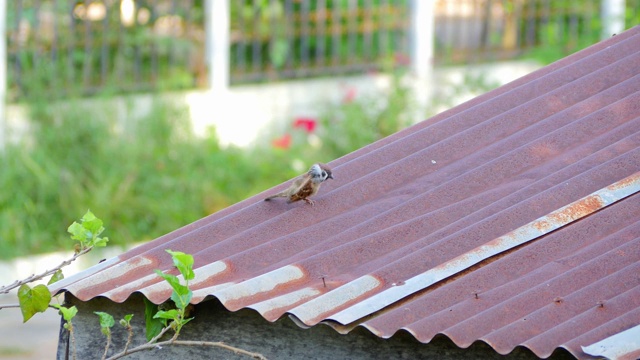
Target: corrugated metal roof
x=513 y=219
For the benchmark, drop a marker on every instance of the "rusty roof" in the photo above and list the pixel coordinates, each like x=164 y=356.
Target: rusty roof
x=512 y=219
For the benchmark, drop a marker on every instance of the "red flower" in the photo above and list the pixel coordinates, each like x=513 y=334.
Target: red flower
x=283 y=142
x=349 y=95
x=402 y=59
x=307 y=124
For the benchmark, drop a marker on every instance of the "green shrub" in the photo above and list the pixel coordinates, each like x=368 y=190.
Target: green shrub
x=146 y=180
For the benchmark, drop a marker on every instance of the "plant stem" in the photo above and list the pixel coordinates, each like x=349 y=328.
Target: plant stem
x=73 y=341
x=129 y=337
x=106 y=348
x=148 y=345
x=173 y=341
x=7 y=306
x=220 y=345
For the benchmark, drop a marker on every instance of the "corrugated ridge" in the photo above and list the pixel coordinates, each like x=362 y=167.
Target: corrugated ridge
x=522 y=286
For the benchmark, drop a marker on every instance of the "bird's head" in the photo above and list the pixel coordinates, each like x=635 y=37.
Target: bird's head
x=320 y=172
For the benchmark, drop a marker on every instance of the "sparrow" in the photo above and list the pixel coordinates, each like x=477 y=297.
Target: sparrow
x=307 y=185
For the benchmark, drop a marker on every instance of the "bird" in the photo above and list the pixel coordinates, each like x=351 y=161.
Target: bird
x=307 y=185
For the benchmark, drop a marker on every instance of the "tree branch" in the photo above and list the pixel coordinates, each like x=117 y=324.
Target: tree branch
x=8 y=306
x=220 y=345
x=173 y=341
x=32 y=278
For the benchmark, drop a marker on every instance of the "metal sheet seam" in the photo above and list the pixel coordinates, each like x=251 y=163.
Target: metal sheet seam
x=535 y=229
x=616 y=346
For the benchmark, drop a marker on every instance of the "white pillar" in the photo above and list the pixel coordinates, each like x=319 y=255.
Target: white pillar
x=217 y=20
x=421 y=37
x=3 y=73
x=612 y=17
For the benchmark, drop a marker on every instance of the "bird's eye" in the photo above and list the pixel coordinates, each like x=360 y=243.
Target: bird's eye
x=324 y=174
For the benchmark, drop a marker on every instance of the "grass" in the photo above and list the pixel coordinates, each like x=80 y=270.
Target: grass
x=144 y=181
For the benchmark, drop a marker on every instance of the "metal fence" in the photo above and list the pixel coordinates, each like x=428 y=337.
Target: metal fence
x=284 y=39
x=481 y=30
x=61 y=47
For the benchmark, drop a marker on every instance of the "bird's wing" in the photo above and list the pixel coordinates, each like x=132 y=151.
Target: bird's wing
x=298 y=184
x=303 y=191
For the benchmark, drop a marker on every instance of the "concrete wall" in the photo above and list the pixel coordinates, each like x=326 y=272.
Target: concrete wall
x=246 y=114
x=248 y=330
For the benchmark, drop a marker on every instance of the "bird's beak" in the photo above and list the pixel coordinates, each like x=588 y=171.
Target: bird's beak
x=330 y=177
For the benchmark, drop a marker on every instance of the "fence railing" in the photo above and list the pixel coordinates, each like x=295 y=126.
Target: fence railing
x=77 y=47
x=62 y=47
x=310 y=38
x=481 y=30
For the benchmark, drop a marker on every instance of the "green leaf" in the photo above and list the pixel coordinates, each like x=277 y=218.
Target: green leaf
x=67 y=313
x=101 y=242
x=57 y=276
x=171 y=279
x=77 y=232
x=184 y=263
x=92 y=223
x=182 y=299
x=184 y=321
x=106 y=320
x=88 y=216
x=181 y=290
x=87 y=231
x=34 y=300
x=153 y=326
x=169 y=314
x=126 y=322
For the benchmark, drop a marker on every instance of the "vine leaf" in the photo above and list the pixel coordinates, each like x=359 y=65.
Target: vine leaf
x=106 y=322
x=184 y=263
x=67 y=314
x=86 y=232
x=33 y=300
x=57 y=276
x=153 y=325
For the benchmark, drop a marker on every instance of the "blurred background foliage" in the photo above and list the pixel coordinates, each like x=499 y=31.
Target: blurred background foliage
x=150 y=176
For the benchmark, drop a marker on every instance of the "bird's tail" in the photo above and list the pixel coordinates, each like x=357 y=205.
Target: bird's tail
x=281 y=194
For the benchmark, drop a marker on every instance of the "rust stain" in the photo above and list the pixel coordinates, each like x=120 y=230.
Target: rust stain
x=625 y=182
x=542 y=225
x=577 y=210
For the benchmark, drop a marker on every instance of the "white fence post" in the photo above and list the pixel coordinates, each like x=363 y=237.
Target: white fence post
x=217 y=22
x=3 y=73
x=421 y=37
x=612 y=17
